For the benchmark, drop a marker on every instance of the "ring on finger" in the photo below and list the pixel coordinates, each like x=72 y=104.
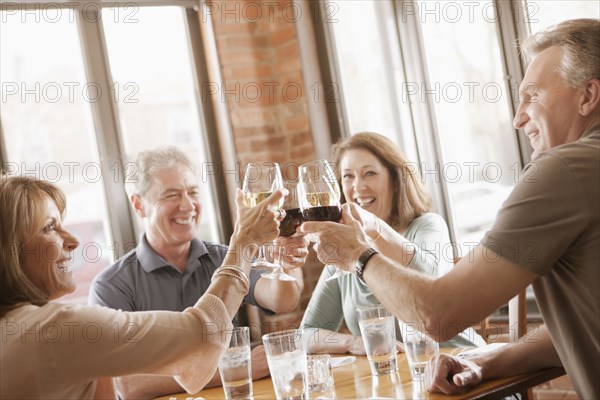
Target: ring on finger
x=280 y=214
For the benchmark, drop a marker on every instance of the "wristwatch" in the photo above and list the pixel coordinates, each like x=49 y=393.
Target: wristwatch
x=363 y=259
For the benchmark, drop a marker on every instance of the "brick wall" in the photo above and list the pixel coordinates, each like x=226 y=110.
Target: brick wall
x=266 y=97
x=263 y=86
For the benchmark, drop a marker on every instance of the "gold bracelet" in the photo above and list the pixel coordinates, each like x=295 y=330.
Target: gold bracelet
x=378 y=236
x=234 y=268
x=379 y=232
x=224 y=273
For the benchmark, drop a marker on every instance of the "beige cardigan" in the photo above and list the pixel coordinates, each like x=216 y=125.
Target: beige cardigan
x=57 y=351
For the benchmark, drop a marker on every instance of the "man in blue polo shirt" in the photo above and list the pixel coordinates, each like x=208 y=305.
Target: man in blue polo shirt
x=170 y=269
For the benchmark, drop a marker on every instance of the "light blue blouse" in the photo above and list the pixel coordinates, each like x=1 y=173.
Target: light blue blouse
x=337 y=300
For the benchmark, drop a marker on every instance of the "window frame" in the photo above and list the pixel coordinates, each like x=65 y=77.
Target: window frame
x=119 y=217
x=511 y=28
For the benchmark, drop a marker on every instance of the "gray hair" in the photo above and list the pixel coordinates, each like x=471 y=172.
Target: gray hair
x=149 y=162
x=580 y=42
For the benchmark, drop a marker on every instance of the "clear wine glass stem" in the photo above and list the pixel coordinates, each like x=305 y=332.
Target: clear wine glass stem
x=278 y=272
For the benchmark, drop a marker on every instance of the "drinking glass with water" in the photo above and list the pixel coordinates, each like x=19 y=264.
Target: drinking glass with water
x=235 y=366
x=286 y=357
x=419 y=349
x=378 y=332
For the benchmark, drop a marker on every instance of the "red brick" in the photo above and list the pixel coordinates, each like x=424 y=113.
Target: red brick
x=302 y=153
x=253 y=131
x=248 y=118
x=256 y=72
x=297 y=123
x=288 y=65
x=284 y=35
x=253 y=98
x=287 y=51
x=242 y=41
x=240 y=58
x=267 y=144
x=227 y=28
x=301 y=138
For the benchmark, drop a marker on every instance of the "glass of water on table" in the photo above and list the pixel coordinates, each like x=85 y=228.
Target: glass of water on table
x=286 y=357
x=235 y=366
x=378 y=331
x=419 y=349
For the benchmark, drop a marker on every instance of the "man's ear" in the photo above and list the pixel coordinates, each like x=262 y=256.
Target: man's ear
x=138 y=206
x=590 y=102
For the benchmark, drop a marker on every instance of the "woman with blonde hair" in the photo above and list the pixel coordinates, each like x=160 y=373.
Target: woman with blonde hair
x=70 y=351
x=387 y=197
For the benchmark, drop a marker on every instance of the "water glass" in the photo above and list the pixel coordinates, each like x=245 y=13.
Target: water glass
x=320 y=377
x=378 y=332
x=419 y=349
x=286 y=356
x=235 y=366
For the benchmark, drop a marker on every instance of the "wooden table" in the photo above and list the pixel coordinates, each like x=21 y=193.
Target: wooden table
x=354 y=381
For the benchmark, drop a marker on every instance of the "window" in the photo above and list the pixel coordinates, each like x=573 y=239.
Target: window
x=542 y=14
x=480 y=158
x=370 y=82
x=53 y=97
x=48 y=130
x=462 y=89
x=156 y=103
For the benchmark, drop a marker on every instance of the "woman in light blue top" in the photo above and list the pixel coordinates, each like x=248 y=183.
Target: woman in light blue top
x=390 y=201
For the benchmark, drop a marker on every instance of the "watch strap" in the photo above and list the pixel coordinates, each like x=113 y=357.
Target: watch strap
x=363 y=259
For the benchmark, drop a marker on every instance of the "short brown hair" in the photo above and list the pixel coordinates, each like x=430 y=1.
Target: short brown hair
x=409 y=196
x=22 y=206
x=580 y=41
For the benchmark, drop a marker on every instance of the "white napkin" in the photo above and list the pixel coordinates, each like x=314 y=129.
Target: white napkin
x=339 y=361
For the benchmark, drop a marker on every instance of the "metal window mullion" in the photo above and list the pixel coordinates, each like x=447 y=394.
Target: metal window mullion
x=339 y=125
x=423 y=113
x=511 y=28
x=223 y=184
x=312 y=76
x=389 y=72
x=106 y=124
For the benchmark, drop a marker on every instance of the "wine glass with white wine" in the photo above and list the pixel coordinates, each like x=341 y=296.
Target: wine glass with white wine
x=261 y=179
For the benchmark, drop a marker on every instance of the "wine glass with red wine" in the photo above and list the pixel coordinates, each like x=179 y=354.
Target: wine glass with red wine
x=293 y=219
x=320 y=195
